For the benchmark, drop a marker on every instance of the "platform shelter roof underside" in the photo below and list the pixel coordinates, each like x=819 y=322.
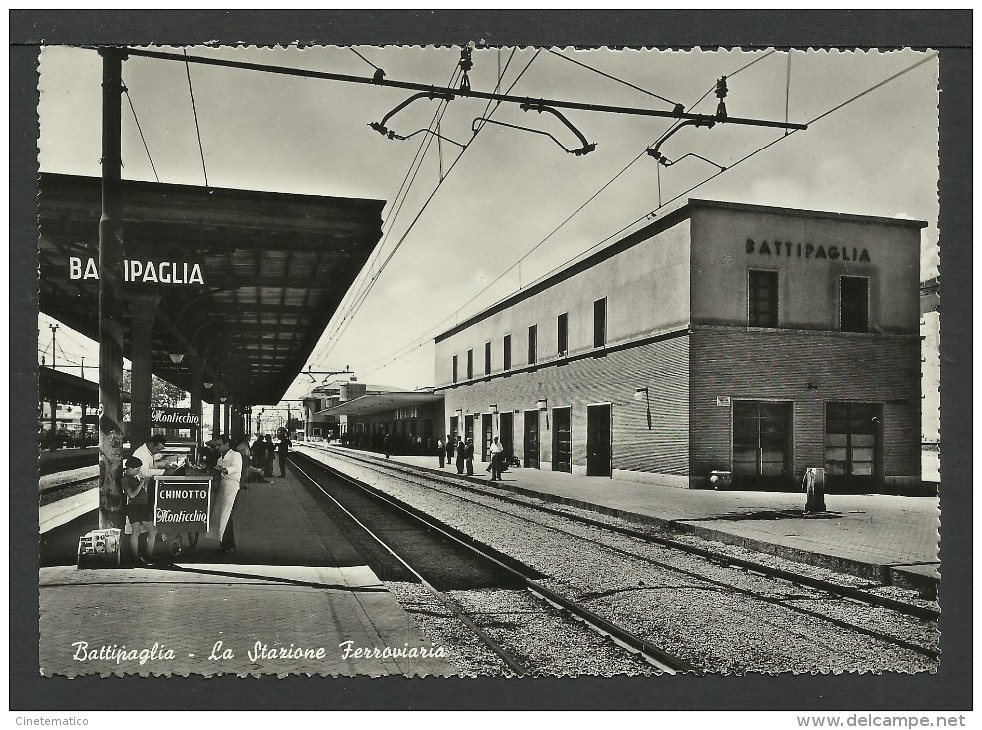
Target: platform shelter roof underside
x=247 y=280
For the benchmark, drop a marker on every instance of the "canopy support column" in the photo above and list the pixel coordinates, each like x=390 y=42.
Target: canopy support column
x=111 y=498
x=142 y=308
x=197 y=388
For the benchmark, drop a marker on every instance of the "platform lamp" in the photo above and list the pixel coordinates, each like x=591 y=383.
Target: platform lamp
x=642 y=394
x=543 y=405
x=176 y=357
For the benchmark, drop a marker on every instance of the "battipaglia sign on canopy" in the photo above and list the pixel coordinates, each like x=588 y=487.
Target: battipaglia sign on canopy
x=179 y=417
x=146 y=272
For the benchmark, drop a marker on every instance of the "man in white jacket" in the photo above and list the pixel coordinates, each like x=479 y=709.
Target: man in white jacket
x=230 y=469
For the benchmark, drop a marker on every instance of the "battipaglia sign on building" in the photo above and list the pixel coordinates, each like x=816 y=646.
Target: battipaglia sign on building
x=145 y=272
x=175 y=417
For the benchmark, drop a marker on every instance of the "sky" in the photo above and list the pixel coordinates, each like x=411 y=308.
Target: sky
x=500 y=217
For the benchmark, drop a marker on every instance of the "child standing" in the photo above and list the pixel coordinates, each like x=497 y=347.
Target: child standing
x=138 y=508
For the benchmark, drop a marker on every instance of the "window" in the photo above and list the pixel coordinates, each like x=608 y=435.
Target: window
x=487 y=358
x=763 y=299
x=600 y=322
x=453 y=368
x=470 y=364
x=854 y=304
x=562 y=344
x=506 y=353
x=533 y=337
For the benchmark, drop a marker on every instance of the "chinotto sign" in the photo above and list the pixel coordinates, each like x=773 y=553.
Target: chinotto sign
x=177 y=417
x=145 y=272
x=182 y=504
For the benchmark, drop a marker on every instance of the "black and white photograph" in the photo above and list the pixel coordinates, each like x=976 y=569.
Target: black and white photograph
x=480 y=360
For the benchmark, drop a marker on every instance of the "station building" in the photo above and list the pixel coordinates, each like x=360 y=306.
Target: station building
x=412 y=419
x=747 y=339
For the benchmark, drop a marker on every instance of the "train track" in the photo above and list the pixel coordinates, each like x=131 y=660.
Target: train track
x=926 y=613
x=844 y=593
x=660 y=659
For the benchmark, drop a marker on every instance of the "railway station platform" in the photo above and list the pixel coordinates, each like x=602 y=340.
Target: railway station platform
x=295 y=598
x=885 y=538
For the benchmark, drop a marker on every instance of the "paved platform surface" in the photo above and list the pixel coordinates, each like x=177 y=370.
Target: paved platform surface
x=881 y=537
x=294 y=580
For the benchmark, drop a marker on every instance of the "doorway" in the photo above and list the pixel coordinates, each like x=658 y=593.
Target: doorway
x=853 y=446
x=506 y=428
x=487 y=431
x=762 y=444
x=562 y=440
x=531 y=441
x=598 y=446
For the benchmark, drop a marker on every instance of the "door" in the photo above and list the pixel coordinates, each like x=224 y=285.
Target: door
x=469 y=428
x=487 y=431
x=562 y=440
x=598 y=441
x=853 y=445
x=531 y=442
x=762 y=444
x=506 y=427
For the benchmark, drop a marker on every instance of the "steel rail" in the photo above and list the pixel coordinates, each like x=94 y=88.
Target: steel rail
x=654 y=655
x=467 y=93
x=514 y=664
x=849 y=592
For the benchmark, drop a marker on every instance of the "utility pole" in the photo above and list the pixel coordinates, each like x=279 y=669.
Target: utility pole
x=53 y=424
x=54 y=354
x=111 y=499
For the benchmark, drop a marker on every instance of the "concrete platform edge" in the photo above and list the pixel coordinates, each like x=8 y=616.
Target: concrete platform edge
x=926 y=585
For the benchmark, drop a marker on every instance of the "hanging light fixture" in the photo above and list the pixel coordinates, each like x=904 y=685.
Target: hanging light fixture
x=176 y=357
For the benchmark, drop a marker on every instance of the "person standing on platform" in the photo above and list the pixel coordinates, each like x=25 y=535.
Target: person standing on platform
x=230 y=472
x=259 y=456
x=268 y=455
x=461 y=448
x=451 y=447
x=387 y=445
x=147 y=454
x=282 y=449
x=497 y=454
x=138 y=508
x=469 y=457
x=441 y=451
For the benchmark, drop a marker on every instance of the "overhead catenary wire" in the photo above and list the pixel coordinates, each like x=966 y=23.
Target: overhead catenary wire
x=741 y=160
x=412 y=346
x=140 y=130
x=528 y=253
x=197 y=129
x=423 y=208
x=402 y=194
x=419 y=214
x=363 y=58
x=787 y=92
x=613 y=78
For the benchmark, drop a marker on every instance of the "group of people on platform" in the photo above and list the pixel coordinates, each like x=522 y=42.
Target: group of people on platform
x=461 y=449
x=392 y=443
x=230 y=459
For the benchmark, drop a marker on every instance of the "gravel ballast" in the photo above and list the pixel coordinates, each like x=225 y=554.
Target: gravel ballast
x=717 y=617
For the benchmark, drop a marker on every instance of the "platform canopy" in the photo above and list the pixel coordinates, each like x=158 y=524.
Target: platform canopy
x=380 y=402
x=67 y=388
x=247 y=280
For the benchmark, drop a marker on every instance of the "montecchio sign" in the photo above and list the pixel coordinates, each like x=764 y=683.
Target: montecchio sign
x=182 y=504
x=144 y=272
x=175 y=417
